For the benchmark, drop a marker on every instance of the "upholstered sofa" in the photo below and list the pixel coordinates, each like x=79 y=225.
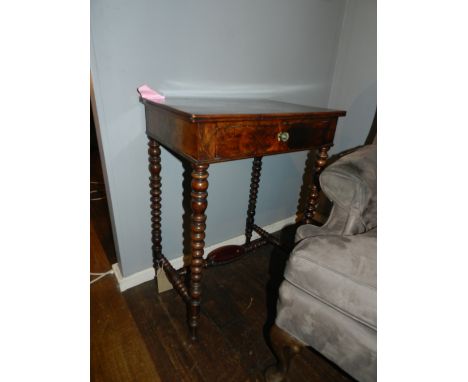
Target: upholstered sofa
x=328 y=299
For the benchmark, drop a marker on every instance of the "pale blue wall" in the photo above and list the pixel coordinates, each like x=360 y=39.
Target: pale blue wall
x=283 y=50
x=355 y=79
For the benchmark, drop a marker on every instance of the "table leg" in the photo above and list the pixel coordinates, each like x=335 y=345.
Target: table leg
x=159 y=260
x=320 y=161
x=154 y=153
x=254 y=182
x=199 y=203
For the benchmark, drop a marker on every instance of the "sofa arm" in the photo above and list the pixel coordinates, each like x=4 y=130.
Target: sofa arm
x=351 y=182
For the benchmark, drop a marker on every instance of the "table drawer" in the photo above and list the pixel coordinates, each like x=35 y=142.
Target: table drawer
x=305 y=134
x=265 y=137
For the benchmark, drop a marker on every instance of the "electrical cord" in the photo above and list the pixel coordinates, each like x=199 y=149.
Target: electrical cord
x=98 y=198
x=110 y=271
x=97 y=191
x=101 y=275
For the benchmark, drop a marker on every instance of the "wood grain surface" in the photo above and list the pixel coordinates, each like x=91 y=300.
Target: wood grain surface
x=118 y=352
x=216 y=130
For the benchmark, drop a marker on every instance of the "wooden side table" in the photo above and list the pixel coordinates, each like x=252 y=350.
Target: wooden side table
x=206 y=131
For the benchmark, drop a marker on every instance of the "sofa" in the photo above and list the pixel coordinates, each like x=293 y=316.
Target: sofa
x=328 y=298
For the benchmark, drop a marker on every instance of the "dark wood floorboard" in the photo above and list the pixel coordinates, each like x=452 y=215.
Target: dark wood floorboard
x=168 y=350
x=140 y=335
x=238 y=308
x=118 y=352
x=233 y=344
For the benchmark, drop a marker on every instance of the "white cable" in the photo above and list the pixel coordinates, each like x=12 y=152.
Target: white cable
x=101 y=275
x=98 y=198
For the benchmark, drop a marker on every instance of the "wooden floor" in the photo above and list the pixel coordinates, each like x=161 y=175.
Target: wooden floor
x=140 y=335
x=118 y=351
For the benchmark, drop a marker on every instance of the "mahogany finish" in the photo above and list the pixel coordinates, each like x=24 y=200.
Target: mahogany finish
x=159 y=260
x=199 y=204
x=320 y=163
x=255 y=244
x=270 y=238
x=214 y=130
x=224 y=255
x=206 y=131
x=154 y=157
x=229 y=253
x=254 y=182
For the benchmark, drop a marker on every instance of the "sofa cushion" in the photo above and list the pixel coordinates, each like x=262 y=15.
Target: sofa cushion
x=307 y=230
x=340 y=271
x=340 y=338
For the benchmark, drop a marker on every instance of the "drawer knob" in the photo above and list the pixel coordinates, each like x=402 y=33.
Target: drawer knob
x=283 y=136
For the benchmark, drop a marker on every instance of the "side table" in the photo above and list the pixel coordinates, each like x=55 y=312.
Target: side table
x=205 y=131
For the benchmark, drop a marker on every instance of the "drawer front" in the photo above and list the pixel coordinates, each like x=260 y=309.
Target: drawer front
x=263 y=138
x=246 y=139
x=303 y=135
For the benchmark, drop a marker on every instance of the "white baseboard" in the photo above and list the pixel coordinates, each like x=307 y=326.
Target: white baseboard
x=132 y=280
x=148 y=273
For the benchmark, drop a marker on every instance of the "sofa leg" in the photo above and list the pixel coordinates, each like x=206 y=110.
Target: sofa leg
x=285 y=348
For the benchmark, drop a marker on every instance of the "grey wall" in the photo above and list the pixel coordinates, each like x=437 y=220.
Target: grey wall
x=283 y=50
x=355 y=79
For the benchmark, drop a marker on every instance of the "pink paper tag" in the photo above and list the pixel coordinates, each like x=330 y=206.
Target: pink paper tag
x=151 y=95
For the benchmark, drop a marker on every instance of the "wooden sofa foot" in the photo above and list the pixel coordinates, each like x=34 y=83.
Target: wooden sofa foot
x=285 y=348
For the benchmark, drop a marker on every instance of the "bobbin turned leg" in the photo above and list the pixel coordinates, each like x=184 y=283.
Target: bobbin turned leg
x=320 y=162
x=229 y=253
x=254 y=182
x=199 y=203
x=154 y=156
x=159 y=260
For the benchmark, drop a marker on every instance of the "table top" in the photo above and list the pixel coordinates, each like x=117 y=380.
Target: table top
x=239 y=108
x=209 y=130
